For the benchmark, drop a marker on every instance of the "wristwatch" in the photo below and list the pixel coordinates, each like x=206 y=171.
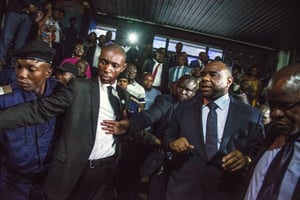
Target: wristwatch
x=248 y=160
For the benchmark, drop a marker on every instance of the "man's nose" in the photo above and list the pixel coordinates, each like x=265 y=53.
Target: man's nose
x=22 y=72
x=276 y=112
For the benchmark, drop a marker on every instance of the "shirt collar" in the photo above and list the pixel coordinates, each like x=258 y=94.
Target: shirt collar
x=104 y=86
x=156 y=62
x=133 y=83
x=222 y=101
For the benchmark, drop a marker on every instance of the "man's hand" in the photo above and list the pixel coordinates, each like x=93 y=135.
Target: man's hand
x=180 y=145
x=116 y=127
x=234 y=161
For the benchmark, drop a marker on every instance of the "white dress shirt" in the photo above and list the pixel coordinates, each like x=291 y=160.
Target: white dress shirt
x=104 y=145
x=157 y=80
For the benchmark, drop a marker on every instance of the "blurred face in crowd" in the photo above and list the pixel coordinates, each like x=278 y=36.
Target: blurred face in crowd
x=123 y=83
x=253 y=71
x=178 y=47
x=196 y=72
x=159 y=57
x=108 y=35
x=56 y=14
x=131 y=72
x=64 y=77
x=245 y=86
x=203 y=57
x=82 y=67
x=186 y=87
x=284 y=100
x=78 y=50
x=111 y=63
x=147 y=81
x=32 y=75
x=101 y=40
x=181 y=60
x=215 y=80
x=92 y=37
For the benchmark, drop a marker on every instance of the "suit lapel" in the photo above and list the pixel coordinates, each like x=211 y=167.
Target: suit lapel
x=231 y=120
x=95 y=98
x=198 y=126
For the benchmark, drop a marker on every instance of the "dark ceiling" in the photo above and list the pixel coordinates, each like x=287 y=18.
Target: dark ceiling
x=269 y=23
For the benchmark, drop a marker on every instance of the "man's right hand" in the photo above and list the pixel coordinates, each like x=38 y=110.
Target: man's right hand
x=180 y=145
x=116 y=127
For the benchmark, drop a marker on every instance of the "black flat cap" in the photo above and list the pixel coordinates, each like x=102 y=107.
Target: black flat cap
x=35 y=50
x=122 y=75
x=68 y=67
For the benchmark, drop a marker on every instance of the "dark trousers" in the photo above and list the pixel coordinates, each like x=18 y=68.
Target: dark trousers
x=157 y=187
x=97 y=181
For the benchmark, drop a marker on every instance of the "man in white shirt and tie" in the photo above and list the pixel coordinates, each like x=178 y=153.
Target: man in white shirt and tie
x=159 y=71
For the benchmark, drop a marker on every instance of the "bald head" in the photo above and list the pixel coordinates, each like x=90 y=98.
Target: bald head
x=287 y=78
x=186 y=87
x=284 y=99
x=115 y=47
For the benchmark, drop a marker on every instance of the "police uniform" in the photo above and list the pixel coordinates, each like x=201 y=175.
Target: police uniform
x=25 y=151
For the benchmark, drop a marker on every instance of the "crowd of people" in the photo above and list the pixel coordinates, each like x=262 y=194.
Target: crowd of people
x=89 y=120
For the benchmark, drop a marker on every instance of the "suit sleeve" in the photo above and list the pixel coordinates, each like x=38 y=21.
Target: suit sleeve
x=146 y=118
x=38 y=111
x=172 y=129
x=257 y=138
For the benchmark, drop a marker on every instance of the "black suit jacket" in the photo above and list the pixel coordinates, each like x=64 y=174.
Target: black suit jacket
x=156 y=116
x=196 y=177
x=148 y=67
x=79 y=101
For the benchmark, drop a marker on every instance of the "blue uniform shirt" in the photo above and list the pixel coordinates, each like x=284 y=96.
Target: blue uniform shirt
x=25 y=149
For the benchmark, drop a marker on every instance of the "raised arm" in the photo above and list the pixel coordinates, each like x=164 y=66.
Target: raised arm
x=38 y=111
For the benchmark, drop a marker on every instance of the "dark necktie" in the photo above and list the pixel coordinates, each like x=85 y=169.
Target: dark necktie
x=211 y=131
x=114 y=102
x=177 y=76
x=274 y=176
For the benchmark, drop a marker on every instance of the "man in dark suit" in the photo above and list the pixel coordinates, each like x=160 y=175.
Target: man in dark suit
x=201 y=62
x=203 y=171
x=84 y=158
x=159 y=72
x=157 y=116
x=274 y=173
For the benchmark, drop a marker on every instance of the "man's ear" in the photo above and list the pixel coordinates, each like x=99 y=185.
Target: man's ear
x=229 y=81
x=49 y=72
x=124 y=67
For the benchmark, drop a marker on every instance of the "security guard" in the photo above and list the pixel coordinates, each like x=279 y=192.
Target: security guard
x=25 y=151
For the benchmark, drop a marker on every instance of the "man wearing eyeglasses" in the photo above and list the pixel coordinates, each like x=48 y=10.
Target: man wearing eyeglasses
x=275 y=173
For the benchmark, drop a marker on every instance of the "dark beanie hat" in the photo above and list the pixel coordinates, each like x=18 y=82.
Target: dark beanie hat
x=69 y=67
x=122 y=75
x=35 y=50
